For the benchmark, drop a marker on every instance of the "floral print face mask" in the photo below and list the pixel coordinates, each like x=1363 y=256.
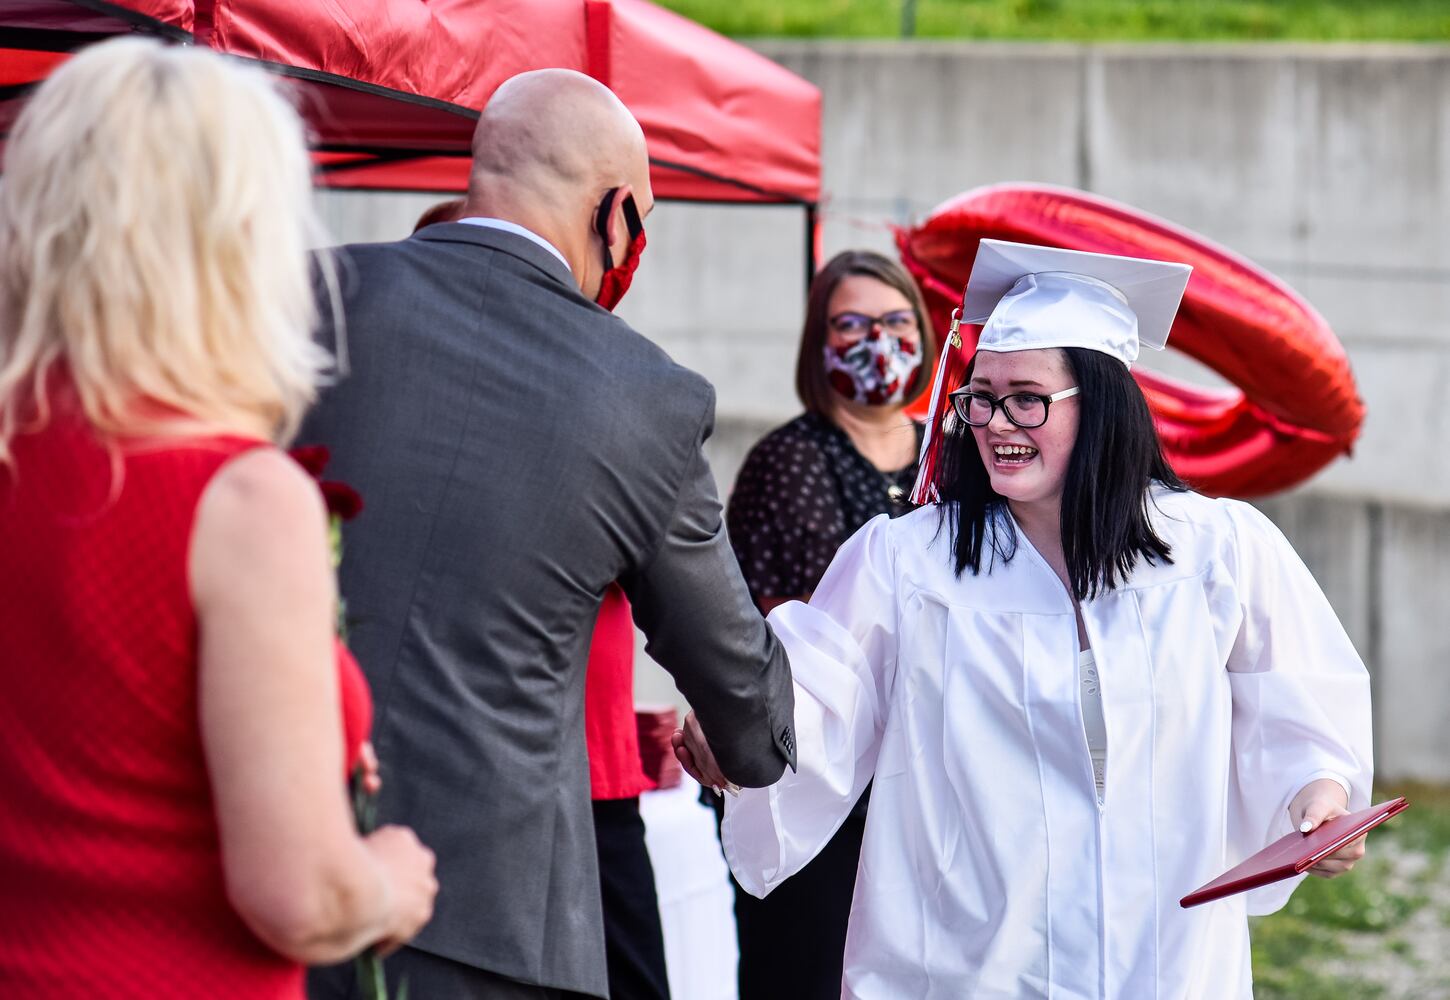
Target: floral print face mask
x=875 y=370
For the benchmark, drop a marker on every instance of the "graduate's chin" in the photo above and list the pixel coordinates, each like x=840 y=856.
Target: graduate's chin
x=1020 y=485
x=1008 y=479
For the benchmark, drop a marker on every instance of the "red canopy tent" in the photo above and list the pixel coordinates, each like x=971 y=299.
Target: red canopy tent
x=391 y=88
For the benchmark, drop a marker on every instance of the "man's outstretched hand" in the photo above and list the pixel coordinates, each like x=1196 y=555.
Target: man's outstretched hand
x=694 y=754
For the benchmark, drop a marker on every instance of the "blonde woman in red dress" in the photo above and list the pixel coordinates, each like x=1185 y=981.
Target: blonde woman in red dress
x=178 y=719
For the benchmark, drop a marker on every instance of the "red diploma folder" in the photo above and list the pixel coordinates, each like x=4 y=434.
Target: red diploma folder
x=1294 y=854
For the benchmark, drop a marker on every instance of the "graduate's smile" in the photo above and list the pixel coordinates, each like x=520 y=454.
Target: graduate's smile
x=1006 y=455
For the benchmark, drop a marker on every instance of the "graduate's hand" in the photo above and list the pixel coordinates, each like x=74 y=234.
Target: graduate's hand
x=1316 y=803
x=694 y=754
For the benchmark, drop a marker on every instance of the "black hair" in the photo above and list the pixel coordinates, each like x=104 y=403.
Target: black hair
x=1115 y=462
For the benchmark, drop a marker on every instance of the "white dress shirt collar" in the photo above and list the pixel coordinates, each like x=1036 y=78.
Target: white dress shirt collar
x=518 y=230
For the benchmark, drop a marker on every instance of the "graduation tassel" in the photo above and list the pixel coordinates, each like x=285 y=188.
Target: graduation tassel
x=949 y=371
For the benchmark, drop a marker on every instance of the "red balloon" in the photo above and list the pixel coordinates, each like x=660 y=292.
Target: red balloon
x=1295 y=407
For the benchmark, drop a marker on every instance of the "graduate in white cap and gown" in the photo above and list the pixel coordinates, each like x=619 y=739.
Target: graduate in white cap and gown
x=1082 y=691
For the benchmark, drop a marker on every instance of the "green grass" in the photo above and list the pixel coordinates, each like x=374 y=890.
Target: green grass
x=1330 y=925
x=1360 y=901
x=1426 y=825
x=1082 y=20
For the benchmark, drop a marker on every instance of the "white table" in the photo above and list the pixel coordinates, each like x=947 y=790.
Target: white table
x=696 y=902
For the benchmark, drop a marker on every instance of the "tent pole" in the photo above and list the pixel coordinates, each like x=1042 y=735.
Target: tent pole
x=812 y=264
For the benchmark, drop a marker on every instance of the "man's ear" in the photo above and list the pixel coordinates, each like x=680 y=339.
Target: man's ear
x=616 y=213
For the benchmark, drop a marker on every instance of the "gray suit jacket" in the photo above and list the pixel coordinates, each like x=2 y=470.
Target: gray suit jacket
x=518 y=449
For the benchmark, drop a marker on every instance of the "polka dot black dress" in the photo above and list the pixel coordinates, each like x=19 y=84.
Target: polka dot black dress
x=803 y=490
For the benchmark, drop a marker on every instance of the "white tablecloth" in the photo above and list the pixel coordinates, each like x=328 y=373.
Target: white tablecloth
x=696 y=903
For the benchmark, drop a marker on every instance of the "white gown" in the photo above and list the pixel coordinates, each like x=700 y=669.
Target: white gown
x=988 y=868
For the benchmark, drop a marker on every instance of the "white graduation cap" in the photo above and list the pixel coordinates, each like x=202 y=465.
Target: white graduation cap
x=1030 y=297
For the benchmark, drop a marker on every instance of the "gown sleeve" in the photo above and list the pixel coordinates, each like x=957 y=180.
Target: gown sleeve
x=842 y=648
x=1301 y=697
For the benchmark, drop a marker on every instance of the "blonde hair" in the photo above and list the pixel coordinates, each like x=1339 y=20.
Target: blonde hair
x=155 y=219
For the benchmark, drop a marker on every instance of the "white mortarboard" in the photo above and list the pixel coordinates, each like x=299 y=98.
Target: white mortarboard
x=1030 y=297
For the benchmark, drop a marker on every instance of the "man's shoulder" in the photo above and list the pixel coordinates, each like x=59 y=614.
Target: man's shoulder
x=361 y=268
x=658 y=374
x=526 y=298
x=435 y=249
x=371 y=250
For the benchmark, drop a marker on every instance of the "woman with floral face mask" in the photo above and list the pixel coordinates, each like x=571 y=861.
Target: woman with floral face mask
x=1080 y=690
x=867 y=349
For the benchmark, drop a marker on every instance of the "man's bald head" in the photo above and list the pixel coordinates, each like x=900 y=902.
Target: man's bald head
x=549 y=147
x=553 y=132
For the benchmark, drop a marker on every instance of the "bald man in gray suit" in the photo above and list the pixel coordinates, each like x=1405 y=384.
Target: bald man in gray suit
x=520 y=448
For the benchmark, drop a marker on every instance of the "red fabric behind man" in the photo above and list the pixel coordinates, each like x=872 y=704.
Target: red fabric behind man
x=633 y=938
x=615 y=771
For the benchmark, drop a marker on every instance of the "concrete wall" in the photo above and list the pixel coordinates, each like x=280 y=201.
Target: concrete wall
x=1328 y=165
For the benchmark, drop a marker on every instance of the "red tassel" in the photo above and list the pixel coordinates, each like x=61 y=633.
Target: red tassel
x=949 y=372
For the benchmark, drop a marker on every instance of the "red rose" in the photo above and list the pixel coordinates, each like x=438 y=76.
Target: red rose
x=342 y=500
x=312 y=457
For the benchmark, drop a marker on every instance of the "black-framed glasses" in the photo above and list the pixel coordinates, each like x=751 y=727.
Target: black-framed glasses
x=1023 y=409
x=854 y=324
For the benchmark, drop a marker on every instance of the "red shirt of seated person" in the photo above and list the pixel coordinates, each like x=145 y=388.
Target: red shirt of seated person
x=615 y=769
x=633 y=936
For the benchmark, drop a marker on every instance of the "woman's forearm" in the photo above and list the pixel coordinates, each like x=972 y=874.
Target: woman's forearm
x=320 y=912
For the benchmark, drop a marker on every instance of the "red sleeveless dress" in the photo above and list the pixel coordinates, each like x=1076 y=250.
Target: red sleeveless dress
x=110 y=866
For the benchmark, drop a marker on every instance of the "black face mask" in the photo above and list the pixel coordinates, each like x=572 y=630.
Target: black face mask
x=616 y=280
